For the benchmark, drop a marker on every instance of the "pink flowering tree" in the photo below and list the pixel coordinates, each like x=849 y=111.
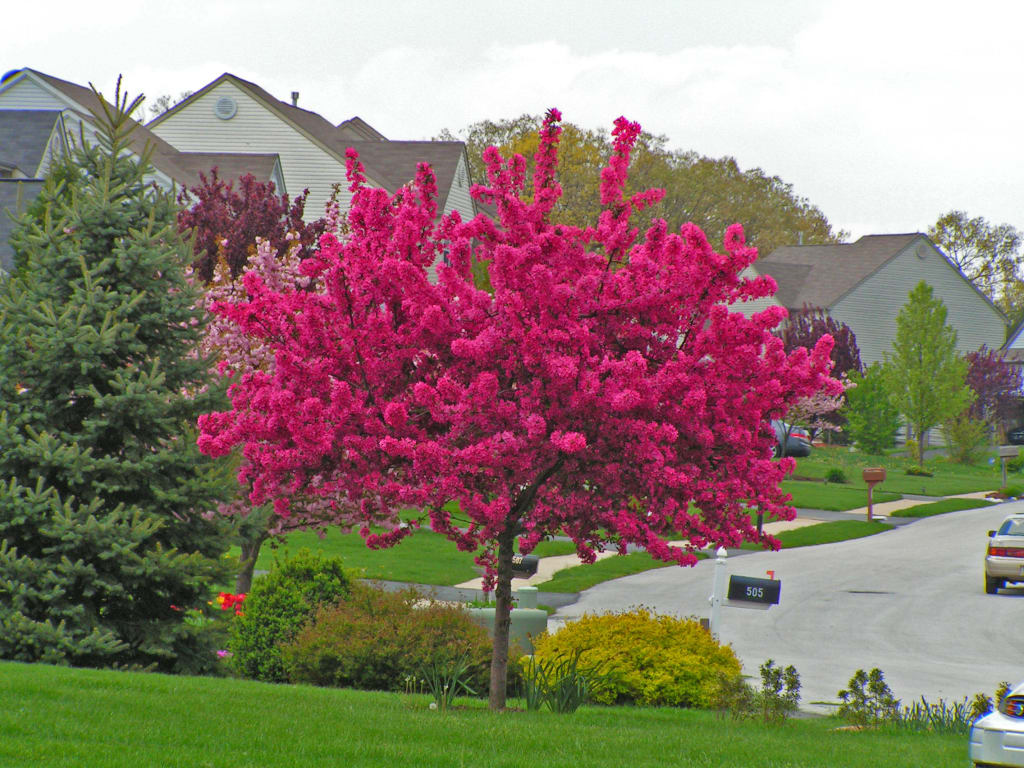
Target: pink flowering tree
x=816 y=412
x=600 y=387
x=237 y=354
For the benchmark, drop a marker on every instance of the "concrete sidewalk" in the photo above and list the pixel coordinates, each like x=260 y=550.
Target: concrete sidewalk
x=549 y=566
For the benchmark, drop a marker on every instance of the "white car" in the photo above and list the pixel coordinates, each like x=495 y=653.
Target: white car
x=1004 y=556
x=997 y=739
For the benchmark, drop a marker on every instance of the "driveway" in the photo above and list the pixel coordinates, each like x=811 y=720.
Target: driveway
x=909 y=601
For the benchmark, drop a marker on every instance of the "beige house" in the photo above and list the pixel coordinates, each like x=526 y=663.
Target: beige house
x=234 y=115
x=866 y=283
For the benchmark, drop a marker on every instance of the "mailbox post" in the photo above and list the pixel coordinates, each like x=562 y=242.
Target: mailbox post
x=751 y=592
x=524 y=566
x=872 y=476
x=1007 y=452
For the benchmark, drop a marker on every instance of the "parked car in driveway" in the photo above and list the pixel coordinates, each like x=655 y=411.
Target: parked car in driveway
x=998 y=737
x=796 y=439
x=1015 y=436
x=1004 y=557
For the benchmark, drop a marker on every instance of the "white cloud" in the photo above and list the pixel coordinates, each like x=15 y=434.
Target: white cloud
x=884 y=114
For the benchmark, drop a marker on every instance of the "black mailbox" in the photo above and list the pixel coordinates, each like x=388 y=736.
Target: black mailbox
x=747 y=589
x=524 y=566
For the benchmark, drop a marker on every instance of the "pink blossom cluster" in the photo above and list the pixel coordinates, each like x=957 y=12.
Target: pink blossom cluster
x=236 y=353
x=602 y=388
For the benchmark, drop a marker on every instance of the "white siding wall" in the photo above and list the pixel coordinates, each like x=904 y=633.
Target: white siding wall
x=871 y=309
x=254 y=128
x=458 y=195
x=26 y=94
x=1017 y=342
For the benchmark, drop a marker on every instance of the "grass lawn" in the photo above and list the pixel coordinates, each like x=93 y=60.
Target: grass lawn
x=941 y=507
x=831 y=496
x=826 y=533
x=582 y=577
x=423 y=558
x=56 y=717
x=948 y=478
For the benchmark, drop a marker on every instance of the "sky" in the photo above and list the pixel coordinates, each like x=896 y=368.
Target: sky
x=885 y=115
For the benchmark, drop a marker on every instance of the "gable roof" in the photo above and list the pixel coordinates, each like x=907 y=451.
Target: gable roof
x=180 y=167
x=394 y=162
x=358 y=129
x=388 y=164
x=820 y=275
x=231 y=165
x=24 y=136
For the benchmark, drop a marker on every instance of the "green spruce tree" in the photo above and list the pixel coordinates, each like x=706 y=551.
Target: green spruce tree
x=925 y=375
x=103 y=493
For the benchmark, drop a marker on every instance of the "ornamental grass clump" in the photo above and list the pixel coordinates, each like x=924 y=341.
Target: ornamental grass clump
x=644 y=658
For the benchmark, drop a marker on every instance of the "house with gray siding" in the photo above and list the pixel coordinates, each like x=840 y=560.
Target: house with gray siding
x=30 y=141
x=28 y=89
x=865 y=284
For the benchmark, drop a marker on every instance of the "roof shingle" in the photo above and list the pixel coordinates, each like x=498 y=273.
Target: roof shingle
x=820 y=275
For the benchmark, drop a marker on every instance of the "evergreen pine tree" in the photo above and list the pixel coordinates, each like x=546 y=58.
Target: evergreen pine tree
x=102 y=490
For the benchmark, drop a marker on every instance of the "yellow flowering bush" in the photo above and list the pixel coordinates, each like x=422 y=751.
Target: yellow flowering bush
x=644 y=658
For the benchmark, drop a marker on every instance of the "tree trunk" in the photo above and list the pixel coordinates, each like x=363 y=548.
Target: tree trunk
x=921 y=435
x=250 y=552
x=502 y=621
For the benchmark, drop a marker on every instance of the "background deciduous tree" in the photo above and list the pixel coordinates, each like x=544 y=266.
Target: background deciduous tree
x=713 y=193
x=233 y=231
x=996 y=385
x=225 y=221
x=599 y=391
x=871 y=417
x=162 y=103
x=803 y=329
x=925 y=374
x=989 y=255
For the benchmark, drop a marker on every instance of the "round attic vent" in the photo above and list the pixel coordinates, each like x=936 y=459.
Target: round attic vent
x=225 y=108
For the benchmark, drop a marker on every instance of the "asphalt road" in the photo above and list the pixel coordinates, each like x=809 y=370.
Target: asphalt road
x=910 y=601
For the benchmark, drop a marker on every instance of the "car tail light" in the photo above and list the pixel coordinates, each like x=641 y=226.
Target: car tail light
x=1005 y=551
x=1012 y=706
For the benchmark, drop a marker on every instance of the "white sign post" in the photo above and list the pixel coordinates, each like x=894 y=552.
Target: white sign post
x=718 y=592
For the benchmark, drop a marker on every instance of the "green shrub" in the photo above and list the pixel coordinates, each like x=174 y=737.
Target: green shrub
x=378 y=640
x=644 y=658
x=910 y=446
x=1015 y=491
x=916 y=471
x=774 y=703
x=868 y=700
x=966 y=438
x=278 y=606
x=835 y=475
x=872 y=418
x=1015 y=464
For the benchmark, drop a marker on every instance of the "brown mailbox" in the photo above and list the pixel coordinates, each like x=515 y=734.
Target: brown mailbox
x=874 y=475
